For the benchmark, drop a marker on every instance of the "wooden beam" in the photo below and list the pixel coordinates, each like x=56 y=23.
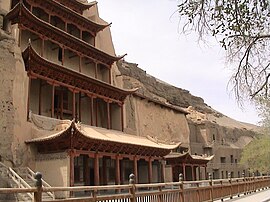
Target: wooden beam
x=28 y=99
x=62 y=105
x=110 y=75
x=80 y=107
x=40 y=97
x=135 y=169
x=92 y=110
x=96 y=169
x=117 y=170
x=96 y=76
x=59 y=83
x=52 y=101
x=63 y=55
x=73 y=105
x=122 y=117
x=96 y=112
x=71 y=165
x=150 y=170
x=184 y=171
x=192 y=172
x=80 y=63
x=108 y=115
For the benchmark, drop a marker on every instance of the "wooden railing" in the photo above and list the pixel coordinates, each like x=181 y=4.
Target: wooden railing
x=32 y=175
x=182 y=191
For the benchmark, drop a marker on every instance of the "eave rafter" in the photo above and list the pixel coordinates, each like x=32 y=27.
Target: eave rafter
x=76 y=5
x=67 y=15
x=26 y=20
x=38 y=67
x=187 y=159
x=80 y=142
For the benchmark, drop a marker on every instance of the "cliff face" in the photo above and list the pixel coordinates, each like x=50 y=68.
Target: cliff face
x=153 y=88
x=13 y=91
x=7 y=109
x=206 y=124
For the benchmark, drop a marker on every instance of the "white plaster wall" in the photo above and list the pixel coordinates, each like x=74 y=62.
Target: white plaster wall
x=168 y=174
x=153 y=120
x=56 y=172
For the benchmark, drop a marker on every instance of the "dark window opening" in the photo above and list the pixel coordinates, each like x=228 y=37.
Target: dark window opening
x=222 y=159
x=60 y=54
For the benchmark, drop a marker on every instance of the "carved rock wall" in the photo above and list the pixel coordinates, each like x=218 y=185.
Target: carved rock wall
x=13 y=103
x=205 y=124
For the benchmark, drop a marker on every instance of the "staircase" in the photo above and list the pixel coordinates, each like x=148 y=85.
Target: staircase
x=29 y=176
x=23 y=178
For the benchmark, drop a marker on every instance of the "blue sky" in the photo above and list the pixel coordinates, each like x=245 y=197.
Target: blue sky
x=148 y=31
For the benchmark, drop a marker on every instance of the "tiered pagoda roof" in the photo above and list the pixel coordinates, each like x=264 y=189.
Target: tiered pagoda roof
x=26 y=20
x=186 y=158
x=57 y=9
x=38 y=67
x=94 y=139
x=77 y=5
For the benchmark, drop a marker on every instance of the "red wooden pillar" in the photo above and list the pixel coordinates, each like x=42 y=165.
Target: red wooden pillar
x=52 y=101
x=192 y=172
x=122 y=117
x=40 y=97
x=108 y=115
x=63 y=55
x=92 y=110
x=62 y=105
x=96 y=169
x=96 y=70
x=184 y=171
x=80 y=63
x=80 y=107
x=71 y=156
x=73 y=104
x=110 y=75
x=117 y=170
x=96 y=112
x=150 y=171
x=135 y=169
x=29 y=93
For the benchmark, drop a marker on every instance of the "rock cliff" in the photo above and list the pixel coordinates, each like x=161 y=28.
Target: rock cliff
x=230 y=131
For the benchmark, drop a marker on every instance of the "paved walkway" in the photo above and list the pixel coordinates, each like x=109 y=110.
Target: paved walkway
x=259 y=196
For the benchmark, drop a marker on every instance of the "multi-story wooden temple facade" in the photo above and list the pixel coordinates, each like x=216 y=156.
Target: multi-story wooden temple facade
x=77 y=124
x=71 y=79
